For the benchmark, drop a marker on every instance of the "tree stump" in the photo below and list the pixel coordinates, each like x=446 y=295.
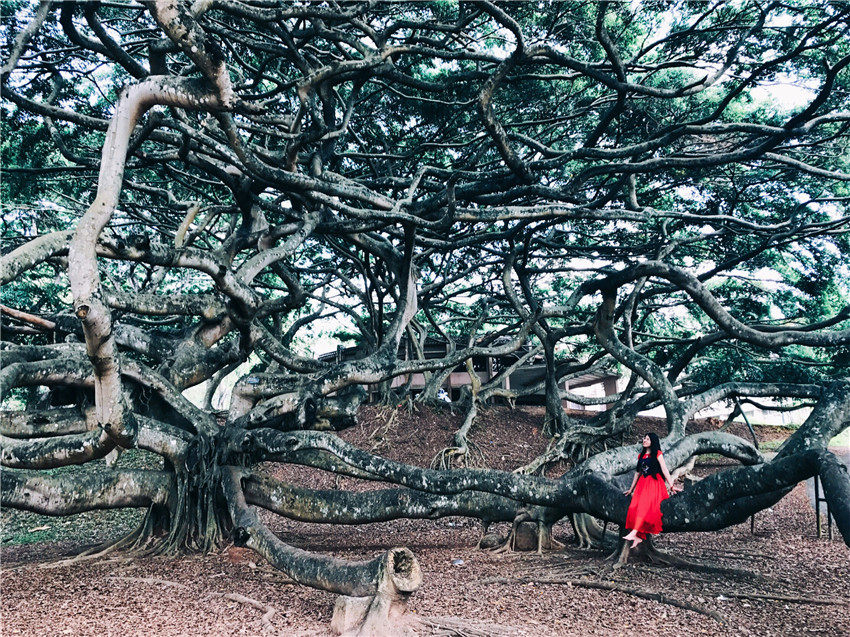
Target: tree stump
x=384 y=614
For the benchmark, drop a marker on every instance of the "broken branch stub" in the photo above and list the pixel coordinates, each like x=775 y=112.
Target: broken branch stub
x=383 y=614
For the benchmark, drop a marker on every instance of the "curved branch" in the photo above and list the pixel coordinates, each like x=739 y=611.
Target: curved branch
x=603 y=327
x=730 y=496
x=691 y=285
x=297 y=446
x=59 y=451
x=622 y=459
x=726 y=390
x=89 y=303
x=39 y=250
x=180 y=25
x=23 y=39
x=356 y=579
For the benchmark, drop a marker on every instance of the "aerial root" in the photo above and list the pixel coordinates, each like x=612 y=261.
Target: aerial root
x=464 y=453
x=520 y=539
x=589 y=532
x=554 y=453
x=381 y=431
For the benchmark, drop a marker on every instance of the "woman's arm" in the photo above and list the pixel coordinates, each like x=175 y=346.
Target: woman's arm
x=666 y=473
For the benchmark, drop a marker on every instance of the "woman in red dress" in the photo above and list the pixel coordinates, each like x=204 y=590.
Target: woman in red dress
x=644 y=516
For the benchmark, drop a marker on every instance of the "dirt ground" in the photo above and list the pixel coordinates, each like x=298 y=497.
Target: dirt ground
x=774 y=578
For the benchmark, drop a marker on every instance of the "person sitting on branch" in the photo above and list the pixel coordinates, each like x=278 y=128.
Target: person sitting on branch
x=644 y=515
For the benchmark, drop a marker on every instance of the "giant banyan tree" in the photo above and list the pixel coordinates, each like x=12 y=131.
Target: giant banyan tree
x=195 y=192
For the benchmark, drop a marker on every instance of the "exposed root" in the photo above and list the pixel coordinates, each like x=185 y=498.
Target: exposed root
x=652 y=595
x=463 y=455
x=731 y=554
x=790 y=598
x=611 y=586
x=561 y=570
x=150 y=580
x=269 y=611
x=647 y=551
x=123 y=544
x=654 y=556
x=461 y=627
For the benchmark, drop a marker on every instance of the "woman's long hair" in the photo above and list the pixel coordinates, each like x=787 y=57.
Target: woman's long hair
x=654 y=444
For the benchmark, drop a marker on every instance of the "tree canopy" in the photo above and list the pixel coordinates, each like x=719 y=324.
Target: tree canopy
x=650 y=189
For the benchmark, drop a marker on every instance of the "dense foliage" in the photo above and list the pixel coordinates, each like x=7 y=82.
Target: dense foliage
x=649 y=189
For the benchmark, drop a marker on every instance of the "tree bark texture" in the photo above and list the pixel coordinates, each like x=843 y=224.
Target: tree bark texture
x=524 y=201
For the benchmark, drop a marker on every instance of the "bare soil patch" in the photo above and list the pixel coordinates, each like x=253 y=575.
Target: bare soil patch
x=777 y=578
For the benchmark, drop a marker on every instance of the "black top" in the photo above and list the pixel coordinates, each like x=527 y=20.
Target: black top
x=647 y=466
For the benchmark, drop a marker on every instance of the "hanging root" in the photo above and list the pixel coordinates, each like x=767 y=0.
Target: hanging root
x=191 y=520
x=194 y=521
x=380 y=433
x=590 y=532
x=575 y=445
x=462 y=452
x=523 y=537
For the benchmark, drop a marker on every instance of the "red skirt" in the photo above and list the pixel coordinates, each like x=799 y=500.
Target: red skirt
x=644 y=514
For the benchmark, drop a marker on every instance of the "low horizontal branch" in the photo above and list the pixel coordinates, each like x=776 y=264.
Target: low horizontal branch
x=82 y=490
x=345 y=507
